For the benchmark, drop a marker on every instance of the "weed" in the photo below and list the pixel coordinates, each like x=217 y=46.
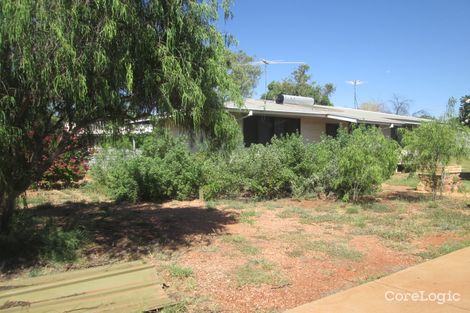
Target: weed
x=241 y=244
x=446 y=248
x=178 y=271
x=294 y=212
x=61 y=245
x=334 y=218
x=352 y=210
x=360 y=222
x=371 y=278
x=377 y=207
x=295 y=253
x=389 y=234
x=179 y=307
x=338 y=250
x=258 y=272
x=447 y=220
x=34 y=272
x=273 y=205
x=247 y=217
x=236 y=205
x=334 y=249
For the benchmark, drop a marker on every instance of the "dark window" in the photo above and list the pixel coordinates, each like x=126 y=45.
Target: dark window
x=394 y=134
x=260 y=129
x=332 y=130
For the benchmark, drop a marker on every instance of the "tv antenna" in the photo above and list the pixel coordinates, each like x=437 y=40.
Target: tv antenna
x=355 y=82
x=266 y=62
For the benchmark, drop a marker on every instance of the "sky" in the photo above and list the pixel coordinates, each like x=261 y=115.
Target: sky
x=416 y=49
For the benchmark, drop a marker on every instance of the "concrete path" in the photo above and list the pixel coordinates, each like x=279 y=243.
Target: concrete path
x=439 y=285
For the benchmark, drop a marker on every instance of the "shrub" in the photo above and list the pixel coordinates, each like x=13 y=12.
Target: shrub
x=59 y=245
x=66 y=170
x=365 y=159
x=163 y=169
x=432 y=146
x=353 y=164
x=259 y=171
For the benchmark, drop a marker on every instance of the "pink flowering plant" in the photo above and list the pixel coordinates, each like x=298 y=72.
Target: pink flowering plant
x=67 y=169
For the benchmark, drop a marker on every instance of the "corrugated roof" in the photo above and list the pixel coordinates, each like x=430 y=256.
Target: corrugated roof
x=128 y=287
x=260 y=107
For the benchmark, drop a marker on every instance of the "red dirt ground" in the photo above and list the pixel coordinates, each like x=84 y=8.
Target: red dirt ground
x=191 y=235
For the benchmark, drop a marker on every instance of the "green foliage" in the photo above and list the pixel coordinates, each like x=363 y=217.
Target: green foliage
x=35 y=239
x=165 y=169
x=365 y=159
x=300 y=85
x=178 y=271
x=260 y=171
x=431 y=147
x=60 y=245
x=258 y=272
x=66 y=66
x=446 y=248
x=244 y=74
x=353 y=164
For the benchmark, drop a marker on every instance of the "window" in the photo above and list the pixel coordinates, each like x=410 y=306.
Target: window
x=260 y=129
x=332 y=130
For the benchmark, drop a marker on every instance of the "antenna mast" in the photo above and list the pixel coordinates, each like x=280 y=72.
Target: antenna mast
x=266 y=62
x=355 y=82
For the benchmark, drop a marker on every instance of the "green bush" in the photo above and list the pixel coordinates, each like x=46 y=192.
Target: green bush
x=365 y=159
x=114 y=169
x=432 y=146
x=350 y=165
x=164 y=169
x=258 y=171
x=59 y=245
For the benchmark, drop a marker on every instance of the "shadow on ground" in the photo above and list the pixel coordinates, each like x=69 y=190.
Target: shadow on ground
x=409 y=196
x=123 y=231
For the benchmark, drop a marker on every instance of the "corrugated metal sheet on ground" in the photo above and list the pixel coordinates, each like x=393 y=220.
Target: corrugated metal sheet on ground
x=127 y=287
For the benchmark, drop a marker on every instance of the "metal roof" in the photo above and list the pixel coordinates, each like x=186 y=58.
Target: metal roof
x=261 y=107
x=127 y=287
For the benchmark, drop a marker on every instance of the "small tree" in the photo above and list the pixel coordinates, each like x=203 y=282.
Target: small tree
x=432 y=146
x=400 y=105
x=374 y=106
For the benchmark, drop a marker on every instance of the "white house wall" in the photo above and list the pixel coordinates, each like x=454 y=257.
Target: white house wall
x=312 y=129
x=387 y=132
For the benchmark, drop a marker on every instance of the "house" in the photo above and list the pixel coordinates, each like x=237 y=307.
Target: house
x=260 y=120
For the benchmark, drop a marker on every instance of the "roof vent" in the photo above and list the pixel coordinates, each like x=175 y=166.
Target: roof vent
x=288 y=99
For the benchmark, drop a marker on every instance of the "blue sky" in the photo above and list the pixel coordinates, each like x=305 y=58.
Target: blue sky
x=417 y=49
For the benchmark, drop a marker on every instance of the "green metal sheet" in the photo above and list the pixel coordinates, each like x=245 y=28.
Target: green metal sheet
x=127 y=287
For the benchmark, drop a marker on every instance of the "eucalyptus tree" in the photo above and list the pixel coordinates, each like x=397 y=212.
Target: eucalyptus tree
x=67 y=65
x=243 y=71
x=300 y=84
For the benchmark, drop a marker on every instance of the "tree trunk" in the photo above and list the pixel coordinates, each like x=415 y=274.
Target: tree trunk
x=7 y=206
